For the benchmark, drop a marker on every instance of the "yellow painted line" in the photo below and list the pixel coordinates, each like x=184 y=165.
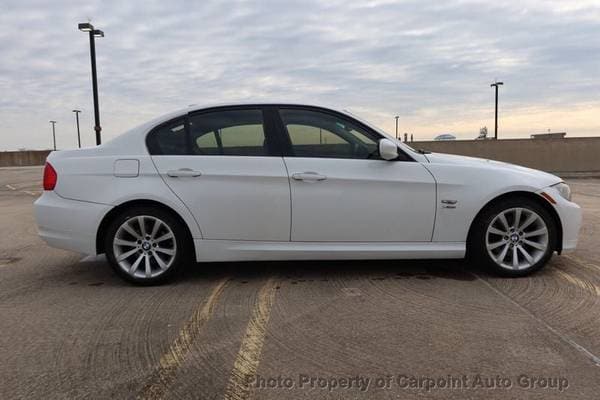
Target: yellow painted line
x=248 y=358
x=587 y=286
x=11 y=187
x=170 y=361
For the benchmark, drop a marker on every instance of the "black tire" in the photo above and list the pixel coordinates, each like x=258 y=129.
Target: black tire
x=477 y=251
x=181 y=243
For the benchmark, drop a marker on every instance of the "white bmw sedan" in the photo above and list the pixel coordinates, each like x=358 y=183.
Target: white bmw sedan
x=293 y=182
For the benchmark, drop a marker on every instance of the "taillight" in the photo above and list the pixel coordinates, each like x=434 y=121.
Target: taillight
x=50 y=177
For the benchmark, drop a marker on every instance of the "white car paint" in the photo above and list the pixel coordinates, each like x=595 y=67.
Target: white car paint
x=251 y=208
x=236 y=198
x=364 y=201
x=473 y=182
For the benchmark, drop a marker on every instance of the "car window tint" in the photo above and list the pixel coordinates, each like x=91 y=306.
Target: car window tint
x=207 y=143
x=319 y=134
x=233 y=132
x=169 y=139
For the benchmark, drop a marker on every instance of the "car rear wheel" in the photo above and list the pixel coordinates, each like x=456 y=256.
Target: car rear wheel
x=514 y=237
x=146 y=245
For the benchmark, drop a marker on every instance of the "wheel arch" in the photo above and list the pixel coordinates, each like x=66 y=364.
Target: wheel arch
x=106 y=220
x=529 y=195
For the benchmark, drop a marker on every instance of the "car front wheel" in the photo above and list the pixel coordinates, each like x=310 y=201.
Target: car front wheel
x=146 y=245
x=514 y=237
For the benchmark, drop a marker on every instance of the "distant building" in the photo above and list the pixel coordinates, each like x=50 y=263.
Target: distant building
x=445 y=136
x=483 y=132
x=549 y=135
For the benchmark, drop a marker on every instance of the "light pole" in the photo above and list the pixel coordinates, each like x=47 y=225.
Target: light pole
x=94 y=33
x=78 y=134
x=495 y=85
x=397 y=125
x=53 y=134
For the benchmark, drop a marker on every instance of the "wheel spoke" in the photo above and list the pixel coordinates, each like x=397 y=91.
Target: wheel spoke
x=526 y=255
x=515 y=258
x=493 y=246
x=528 y=221
x=142 y=226
x=496 y=231
x=534 y=244
x=541 y=231
x=157 y=224
x=127 y=254
x=130 y=230
x=166 y=251
x=121 y=242
x=164 y=237
x=136 y=264
x=503 y=220
x=503 y=253
x=517 y=217
x=147 y=265
x=160 y=261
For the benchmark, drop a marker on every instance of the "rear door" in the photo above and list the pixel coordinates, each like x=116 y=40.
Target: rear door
x=222 y=163
x=342 y=191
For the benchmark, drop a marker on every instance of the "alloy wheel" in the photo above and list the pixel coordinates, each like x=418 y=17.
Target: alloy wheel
x=517 y=238
x=144 y=246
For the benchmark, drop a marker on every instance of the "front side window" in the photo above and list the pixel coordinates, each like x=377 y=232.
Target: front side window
x=319 y=134
x=228 y=132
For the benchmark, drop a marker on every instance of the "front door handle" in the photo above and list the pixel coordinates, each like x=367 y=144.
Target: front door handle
x=308 y=176
x=183 y=173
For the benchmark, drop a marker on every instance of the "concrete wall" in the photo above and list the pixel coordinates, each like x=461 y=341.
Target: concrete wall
x=23 y=158
x=552 y=155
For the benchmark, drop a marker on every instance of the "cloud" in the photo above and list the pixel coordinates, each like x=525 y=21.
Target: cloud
x=429 y=62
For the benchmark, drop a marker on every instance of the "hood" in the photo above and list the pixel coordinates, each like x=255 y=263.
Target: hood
x=475 y=162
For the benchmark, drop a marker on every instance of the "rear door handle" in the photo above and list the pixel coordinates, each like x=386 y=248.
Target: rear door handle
x=308 y=176
x=183 y=173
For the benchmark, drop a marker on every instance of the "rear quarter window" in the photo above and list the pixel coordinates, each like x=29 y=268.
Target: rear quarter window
x=168 y=138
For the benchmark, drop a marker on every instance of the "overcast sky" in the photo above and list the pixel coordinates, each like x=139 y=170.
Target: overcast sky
x=430 y=62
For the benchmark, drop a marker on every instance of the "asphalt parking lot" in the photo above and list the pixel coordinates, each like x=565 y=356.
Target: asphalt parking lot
x=323 y=330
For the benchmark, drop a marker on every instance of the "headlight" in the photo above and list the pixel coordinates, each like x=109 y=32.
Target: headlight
x=564 y=190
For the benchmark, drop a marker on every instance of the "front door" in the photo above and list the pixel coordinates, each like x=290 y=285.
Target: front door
x=343 y=192
x=228 y=176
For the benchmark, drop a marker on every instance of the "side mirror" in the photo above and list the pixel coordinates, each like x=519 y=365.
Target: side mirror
x=388 y=150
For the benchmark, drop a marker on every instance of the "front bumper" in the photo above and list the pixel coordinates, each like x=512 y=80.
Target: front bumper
x=570 y=217
x=68 y=224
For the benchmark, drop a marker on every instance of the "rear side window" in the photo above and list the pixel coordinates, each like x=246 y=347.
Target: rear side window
x=169 y=138
x=229 y=133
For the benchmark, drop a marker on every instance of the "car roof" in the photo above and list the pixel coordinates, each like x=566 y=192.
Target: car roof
x=200 y=107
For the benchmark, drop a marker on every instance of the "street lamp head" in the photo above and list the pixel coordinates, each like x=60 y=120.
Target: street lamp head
x=496 y=84
x=76 y=111
x=98 y=33
x=52 y=122
x=86 y=27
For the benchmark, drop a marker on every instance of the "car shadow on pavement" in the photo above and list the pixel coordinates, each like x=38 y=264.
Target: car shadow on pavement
x=98 y=272
x=300 y=271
